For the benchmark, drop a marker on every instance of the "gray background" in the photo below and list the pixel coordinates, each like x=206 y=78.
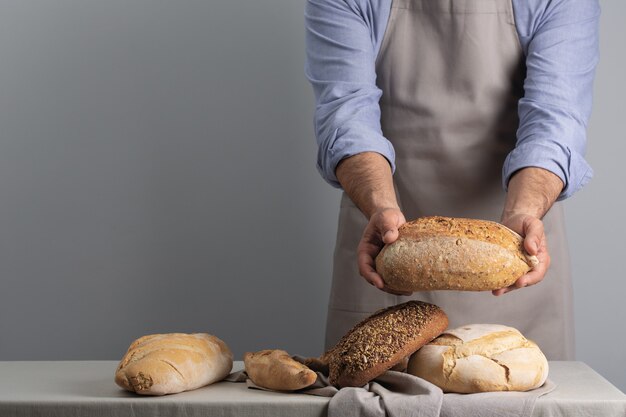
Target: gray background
x=157 y=174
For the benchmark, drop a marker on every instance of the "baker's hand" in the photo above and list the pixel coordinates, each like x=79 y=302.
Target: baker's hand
x=381 y=229
x=531 y=229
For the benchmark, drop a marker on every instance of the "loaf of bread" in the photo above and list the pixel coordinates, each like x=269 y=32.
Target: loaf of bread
x=161 y=364
x=382 y=341
x=276 y=370
x=444 y=253
x=479 y=358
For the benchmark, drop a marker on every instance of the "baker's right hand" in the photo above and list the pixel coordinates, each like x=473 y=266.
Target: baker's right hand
x=382 y=229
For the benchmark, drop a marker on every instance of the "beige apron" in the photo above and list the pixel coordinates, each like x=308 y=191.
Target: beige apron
x=452 y=72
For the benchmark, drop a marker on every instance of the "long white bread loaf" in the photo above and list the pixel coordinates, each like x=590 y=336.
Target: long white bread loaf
x=445 y=253
x=161 y=364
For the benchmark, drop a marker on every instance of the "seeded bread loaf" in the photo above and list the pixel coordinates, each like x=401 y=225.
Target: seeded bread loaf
x=445 y=253
x=479 y=358
x=161 y=364
x=277 y=370
x=382 y=341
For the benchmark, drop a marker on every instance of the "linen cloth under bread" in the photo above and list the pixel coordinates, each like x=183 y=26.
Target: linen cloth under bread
x=398 y=394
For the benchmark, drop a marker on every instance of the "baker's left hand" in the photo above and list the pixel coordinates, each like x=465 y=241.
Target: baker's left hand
x=531 y=229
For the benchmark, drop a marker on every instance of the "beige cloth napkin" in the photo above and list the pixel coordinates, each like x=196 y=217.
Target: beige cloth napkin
x=398 y=394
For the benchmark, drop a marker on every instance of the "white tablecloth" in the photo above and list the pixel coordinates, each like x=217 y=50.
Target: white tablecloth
x=86 y=388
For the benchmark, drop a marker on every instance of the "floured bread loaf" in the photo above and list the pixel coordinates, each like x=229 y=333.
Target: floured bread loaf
x=445 y=253
x=277 y=370
x=382 y=341
x=161 y=364
x=479 y=358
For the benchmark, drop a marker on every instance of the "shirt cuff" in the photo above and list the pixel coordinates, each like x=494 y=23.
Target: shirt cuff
x=344 y=147
x=567 y=164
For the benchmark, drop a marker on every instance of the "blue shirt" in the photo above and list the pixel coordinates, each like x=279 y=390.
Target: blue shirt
x=559 y=39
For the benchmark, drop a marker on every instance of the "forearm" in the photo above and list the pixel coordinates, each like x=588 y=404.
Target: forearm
x=531 y=191
x=367 y=179
x=561 y=56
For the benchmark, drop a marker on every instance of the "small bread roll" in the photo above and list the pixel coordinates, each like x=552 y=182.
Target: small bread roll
x=161 y=364
x=276 y=370
x=447 y=253
x=480 y=358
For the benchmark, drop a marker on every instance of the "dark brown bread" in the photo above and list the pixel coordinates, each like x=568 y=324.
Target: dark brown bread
x=383 y=340
x=445 y=253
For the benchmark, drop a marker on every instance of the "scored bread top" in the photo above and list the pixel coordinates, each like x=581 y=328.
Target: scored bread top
x=481 y=357
x=161 y=364
x=482 y=230
x=178 y=345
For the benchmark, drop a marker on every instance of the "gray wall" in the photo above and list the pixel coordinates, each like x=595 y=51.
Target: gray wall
x=595 y=216
x=157 y=174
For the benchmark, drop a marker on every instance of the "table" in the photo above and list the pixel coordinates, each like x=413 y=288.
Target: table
x=86 y=388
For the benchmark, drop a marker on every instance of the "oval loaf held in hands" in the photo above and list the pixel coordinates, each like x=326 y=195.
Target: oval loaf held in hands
x=446 y=253
x=160 y=364
x=480 y=358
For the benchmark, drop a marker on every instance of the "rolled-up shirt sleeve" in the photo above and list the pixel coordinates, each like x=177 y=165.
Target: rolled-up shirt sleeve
x=341 y=40
x=561 y=47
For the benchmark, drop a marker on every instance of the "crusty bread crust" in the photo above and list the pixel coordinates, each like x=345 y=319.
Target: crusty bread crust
x=161 y=364
x=275 y=369
x=445 y=253
x=480 y=358
x=382 y=341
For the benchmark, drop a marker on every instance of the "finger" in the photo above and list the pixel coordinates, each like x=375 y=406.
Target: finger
x=390 y=236
x=543 y=254
x=533 y=235
x=394 y=292
x=544 y=257
x=533 y=277
x=499 y=292
x=367 y=270
x=517 y=285
x=373 y=278
x=371 y=238
x=539 y=271
x=388 y=226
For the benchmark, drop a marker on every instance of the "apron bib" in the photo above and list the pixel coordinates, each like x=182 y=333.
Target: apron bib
x=452 y=72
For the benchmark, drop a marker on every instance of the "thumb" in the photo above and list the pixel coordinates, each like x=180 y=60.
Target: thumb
x=389 y=223
x=534 y=234
x=390 y=236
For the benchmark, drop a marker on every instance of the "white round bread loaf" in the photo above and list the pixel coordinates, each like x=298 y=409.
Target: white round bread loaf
x=161 y=364
x=480 y=358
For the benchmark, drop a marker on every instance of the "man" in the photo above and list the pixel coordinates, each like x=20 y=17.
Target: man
x=459 y=108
